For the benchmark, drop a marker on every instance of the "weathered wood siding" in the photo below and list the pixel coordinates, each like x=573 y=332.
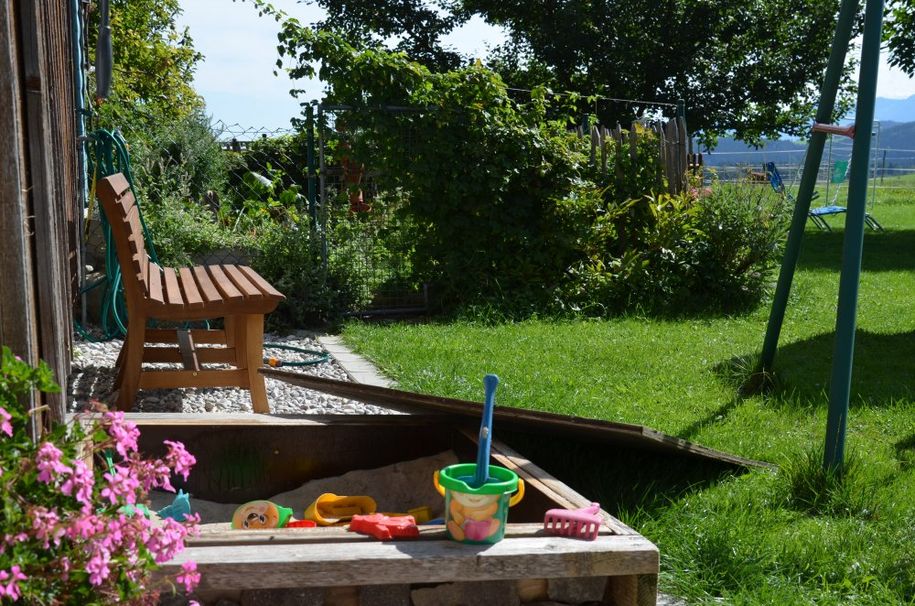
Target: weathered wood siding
x=38 y=191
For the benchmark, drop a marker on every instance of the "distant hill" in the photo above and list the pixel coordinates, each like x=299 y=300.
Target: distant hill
x=897 y=141
x=895 y=110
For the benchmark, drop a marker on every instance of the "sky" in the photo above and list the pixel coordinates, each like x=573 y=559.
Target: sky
x=236 y=76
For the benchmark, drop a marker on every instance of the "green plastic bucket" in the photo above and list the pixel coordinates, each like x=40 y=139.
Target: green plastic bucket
x=477 y=515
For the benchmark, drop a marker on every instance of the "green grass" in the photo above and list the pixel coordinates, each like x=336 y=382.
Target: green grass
x=786 y=537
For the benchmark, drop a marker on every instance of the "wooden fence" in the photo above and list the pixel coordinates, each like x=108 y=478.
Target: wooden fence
x=672 y=141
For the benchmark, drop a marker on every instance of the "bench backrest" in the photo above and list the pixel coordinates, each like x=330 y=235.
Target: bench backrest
x=123 y=214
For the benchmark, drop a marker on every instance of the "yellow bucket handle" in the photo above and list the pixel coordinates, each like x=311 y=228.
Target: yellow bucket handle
x=516 y=498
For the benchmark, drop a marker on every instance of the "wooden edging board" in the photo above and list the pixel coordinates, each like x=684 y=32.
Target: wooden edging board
x=624 y=434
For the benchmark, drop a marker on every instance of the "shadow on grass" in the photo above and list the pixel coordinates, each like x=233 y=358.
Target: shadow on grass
x=621 y=479
x=884 y=365
x=905 y=452
x=883 y=251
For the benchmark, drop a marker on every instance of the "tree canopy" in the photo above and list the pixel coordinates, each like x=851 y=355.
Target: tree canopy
x=750 y=68
x=900 y=35
x=154 y=62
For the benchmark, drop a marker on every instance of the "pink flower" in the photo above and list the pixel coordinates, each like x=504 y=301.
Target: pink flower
x=189 y=577
x=84 y=527
x=179 y=458
x=153 y=474
x=11 y=589
x=5 y=425
x=48 y=461
x=125 y=433
x=79 y=484
x=97 y=567
x=46 y=525
x=121 y=484
x=166 y=541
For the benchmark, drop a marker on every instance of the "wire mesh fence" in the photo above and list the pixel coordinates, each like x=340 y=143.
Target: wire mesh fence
x=219 y=193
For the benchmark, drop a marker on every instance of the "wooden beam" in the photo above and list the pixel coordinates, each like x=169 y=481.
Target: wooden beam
x=162 y=379
x=374 y=562
x=186 y=348
x=624 y=434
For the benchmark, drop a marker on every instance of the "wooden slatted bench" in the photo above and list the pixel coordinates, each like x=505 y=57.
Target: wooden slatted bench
x=235 y=293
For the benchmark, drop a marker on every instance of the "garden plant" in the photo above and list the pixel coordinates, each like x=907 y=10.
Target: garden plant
x=73 y=528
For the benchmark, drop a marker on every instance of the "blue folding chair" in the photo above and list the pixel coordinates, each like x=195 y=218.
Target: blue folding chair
x=815 y=214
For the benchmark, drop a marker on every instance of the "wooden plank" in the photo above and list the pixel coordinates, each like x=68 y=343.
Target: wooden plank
x=222 y=534
x=193 y=298
x=605 y=141
x=18 y=307
x=249 y=290
x=542 y=481
x=155 y=284
x=682 y=151
x=246 y=419
x=172 y=289
x=632 y=590
x=200 y=335
x=46 y=191
x=204 y=355
x=609 y=431
x=375 y=562
x=261 y=283
x=224 y=285
x=207 y=288
x=186 y=348
x=159 y=379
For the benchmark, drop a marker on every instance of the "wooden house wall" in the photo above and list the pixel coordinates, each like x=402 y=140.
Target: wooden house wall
x=38 y=189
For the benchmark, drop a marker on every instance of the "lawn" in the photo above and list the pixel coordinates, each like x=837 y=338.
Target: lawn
x=761 y=537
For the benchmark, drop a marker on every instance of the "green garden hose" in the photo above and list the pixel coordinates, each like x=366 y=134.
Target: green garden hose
x=111 y=156
x=319 y=356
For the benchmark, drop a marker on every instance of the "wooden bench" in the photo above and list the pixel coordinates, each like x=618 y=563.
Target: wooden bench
x=233 y=292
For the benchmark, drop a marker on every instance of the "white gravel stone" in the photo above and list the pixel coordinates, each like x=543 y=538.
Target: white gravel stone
x=93 y=377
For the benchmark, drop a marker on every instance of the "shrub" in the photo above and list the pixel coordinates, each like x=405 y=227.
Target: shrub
x=319 y=285
x=692 y=252
x=183 y=231
x=71 y=532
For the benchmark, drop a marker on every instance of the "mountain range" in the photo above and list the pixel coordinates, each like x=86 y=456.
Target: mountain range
x=895 y=142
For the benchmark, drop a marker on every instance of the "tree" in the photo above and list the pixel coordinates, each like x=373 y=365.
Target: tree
x=154 y=64
x=900 y=35
x=417 y=26
x=751 y=68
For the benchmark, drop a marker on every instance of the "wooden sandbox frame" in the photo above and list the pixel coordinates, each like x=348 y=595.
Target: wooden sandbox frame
x=333 y=566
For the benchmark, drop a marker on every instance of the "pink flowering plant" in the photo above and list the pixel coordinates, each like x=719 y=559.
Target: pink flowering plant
x=71 y=531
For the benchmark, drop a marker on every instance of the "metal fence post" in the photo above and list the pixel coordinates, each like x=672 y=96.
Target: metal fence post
x=310 y=162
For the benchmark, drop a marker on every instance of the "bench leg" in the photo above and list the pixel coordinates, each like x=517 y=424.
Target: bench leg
x=132 y=363
x=249 y=354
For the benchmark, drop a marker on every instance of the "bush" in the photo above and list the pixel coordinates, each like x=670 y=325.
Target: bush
x=713 y=251
x=319 y=285
x=73 y=533
x=183 y=231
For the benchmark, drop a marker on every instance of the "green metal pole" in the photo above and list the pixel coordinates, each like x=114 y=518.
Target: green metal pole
x=840 y=43
x=310 y=161
x=853 y=244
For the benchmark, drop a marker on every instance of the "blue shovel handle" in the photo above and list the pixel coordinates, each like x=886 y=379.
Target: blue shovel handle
x=490 y=382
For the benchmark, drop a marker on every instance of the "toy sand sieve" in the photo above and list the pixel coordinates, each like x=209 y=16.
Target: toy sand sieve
x=477 y=515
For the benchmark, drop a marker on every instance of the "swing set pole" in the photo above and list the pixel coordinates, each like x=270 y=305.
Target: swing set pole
x=853 y=243
x=828 y=92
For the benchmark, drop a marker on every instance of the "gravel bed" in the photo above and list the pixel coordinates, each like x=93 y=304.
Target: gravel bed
x=94 y=373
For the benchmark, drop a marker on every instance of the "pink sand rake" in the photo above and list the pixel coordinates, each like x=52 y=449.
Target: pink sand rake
x=581 y=523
